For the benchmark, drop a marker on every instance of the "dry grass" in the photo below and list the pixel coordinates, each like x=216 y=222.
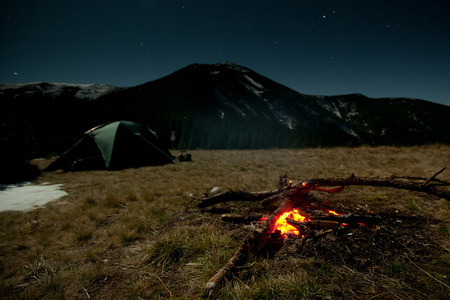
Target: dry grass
x=137 y=234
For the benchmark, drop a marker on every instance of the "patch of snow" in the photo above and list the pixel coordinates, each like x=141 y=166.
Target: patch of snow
x=289 y=122
x=352 y=114
x=341 y=103
x=232 y=66
x=256 y=84
x=281 y=115
x=415 y=118
x=331 y=107
x=224 y=100
x=215 y=72
x=248 y=106
x=351 y=132
x=336 y=112
x=26 y=196
x=93 y=91
x=253 y=89
x=346 y=129
x=334 y=109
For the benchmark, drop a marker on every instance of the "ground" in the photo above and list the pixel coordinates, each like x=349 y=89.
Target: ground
x=138 y=234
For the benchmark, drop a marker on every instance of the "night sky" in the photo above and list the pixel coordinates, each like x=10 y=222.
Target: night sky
x=377 y=48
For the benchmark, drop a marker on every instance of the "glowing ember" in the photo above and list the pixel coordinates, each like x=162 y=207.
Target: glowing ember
x=286 y=229
x=282 y=225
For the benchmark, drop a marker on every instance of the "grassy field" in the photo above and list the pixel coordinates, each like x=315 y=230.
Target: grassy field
x=137 y=233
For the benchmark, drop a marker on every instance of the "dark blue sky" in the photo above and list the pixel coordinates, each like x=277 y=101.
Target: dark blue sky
x=377 y=48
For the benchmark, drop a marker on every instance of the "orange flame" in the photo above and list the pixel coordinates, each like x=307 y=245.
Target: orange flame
x=282 y=225
x=286 y=229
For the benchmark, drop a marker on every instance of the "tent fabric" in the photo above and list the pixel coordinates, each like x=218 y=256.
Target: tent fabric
x=114 y=146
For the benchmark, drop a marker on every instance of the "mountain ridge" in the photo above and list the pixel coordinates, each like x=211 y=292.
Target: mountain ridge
x=218 y=106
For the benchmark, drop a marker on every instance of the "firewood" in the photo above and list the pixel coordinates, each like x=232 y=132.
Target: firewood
x=383 y=182
x=236 y=196
x=432 y=177
x=331 y=185
x=315 y=224
x=236 y=218
x=351 y=218
x=322 y=224
x=254 y=242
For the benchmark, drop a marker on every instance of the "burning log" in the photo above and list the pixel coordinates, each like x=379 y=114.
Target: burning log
x=314 y=224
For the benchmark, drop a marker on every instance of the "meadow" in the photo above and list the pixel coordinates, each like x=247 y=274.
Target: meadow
x=138 y=234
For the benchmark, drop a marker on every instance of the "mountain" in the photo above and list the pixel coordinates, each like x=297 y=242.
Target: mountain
x=230 y=106
x=216 y=106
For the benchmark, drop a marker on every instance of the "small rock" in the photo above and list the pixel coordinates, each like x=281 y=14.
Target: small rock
x=214 y=190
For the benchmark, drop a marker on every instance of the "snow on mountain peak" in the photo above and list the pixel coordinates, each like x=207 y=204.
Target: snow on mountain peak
x=84 y=91
x=232 y=66
x=254 y=87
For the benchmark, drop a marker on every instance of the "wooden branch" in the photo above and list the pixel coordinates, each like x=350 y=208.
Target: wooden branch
x=322 y=224
x=332 y=221
x=330 y=185
x=313 y=224
x=382 y=182
x=432 y=177
x=236 y=196
x=351 y=218
x=236 y=218
x=254 y=241
x=436 y=182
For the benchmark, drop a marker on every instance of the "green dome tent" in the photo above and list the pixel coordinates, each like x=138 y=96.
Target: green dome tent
x=114 y=146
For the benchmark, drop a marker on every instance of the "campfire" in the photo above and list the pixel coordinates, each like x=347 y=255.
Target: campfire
x=283 y=223
x=296 y=224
